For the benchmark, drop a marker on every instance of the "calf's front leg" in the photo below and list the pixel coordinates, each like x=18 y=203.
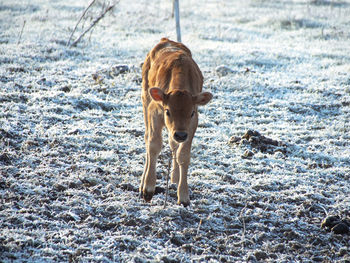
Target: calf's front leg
x=183 y=156
x=153 y=148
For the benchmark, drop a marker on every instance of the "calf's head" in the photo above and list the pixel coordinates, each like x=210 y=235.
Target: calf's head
x=180 y=110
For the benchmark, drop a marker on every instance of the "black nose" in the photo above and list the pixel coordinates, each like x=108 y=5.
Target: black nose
x=180 y=136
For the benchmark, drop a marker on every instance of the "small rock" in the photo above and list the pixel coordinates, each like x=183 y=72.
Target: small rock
x=317 y=259
x=69 y=216
x=243 y=142
x=251 y=258
x=269 y=141
x=99 y=170
x=177 y=240
x=74 y=131
x=119 y=69
x=346 y=221
x=254 y=139
x=138 y=80
x=278 y=155
x=234 y=139
x=299 y=169
x=65 y=88
x=343 y=251
x=247 y=70
x=223 y=70
x=167 y=259
x=290 y=234
x=90 y=181
x=340 y=228
x=97 y=77
x=280 y=248
x=260 y=255
x=74 y=184
x=140 y=260
x=247 y=154
x=129 y=187
x=295 y=245
x=60 y=187
x=187 y=247
x=330 y=221
x=5 y=158
x=251 y=133
x=130 y=222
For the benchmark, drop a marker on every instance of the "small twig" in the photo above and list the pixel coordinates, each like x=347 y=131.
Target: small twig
x=20 y=34
x=243 y=222
x=322 y=207
x=199 y=226
x=75 y=28
x=92 y=25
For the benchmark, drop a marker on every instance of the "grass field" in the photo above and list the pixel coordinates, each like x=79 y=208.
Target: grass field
x=71 y=133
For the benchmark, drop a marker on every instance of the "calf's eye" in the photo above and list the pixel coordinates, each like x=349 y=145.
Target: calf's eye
x=167 y=112
x=192 y=114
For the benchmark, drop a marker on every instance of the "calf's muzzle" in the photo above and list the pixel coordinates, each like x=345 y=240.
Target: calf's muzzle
x=180 y=136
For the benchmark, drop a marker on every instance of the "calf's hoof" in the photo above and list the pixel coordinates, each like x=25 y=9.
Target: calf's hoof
x=184 y=203
x=147 y=196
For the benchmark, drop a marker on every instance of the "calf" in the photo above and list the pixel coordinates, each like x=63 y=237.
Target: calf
x=171 y=92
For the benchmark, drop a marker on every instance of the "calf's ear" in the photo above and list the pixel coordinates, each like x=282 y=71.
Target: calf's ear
x=203 y=98
x=157 y=94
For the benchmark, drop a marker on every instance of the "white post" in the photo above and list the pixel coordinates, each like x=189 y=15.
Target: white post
x=177 y=19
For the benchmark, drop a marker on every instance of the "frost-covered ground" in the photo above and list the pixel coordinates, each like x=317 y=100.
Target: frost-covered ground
x=71 y=133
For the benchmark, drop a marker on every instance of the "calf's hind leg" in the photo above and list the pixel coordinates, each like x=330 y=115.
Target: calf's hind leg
x=144 y=102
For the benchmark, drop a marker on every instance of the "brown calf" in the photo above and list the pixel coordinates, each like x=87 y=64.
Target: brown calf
x=171 y=91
